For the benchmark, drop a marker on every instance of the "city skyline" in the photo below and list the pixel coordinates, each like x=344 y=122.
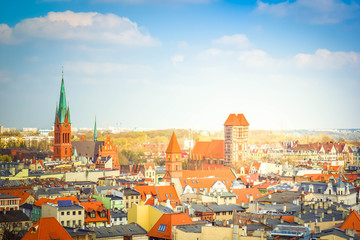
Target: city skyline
x=184 y=64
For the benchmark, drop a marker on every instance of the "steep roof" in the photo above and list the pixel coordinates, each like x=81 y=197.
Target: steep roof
x=47 y=228
x=352 y=222
x=163 y=227
x=243 y=195
x=236 y=120
x=173 y=146
x=213 y=149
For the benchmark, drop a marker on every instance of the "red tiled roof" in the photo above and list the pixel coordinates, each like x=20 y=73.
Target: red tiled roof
x=163 y=227
x=41 y=201
x=173 y=146
x=352 y=222
x=97 y=207
x=236 y=120
x=148 y=165
x=243 y=195
x=47 y=228
x=213 y=149
x=161 y=192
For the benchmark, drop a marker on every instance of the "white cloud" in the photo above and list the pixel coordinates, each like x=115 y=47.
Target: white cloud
x=90 y=26
x=176 y=59
x=314 y=11
x=6 y=34
x=324 y=59
x=237 y=40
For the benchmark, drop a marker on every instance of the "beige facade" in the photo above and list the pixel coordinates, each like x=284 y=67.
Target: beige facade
x=215 y=233
x=72 y=216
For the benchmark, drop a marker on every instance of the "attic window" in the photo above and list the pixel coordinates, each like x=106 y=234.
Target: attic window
x=162 y=228
x=192 y=181
x=197 y=181
x=247 y=196
x=185 y=181
x=171 y=195
x=166 y=195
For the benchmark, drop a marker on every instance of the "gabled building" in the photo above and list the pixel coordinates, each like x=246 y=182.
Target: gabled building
x=352 y=222
x=47 y=228
x=95 y=214
x=153 y=195
x=163 y=229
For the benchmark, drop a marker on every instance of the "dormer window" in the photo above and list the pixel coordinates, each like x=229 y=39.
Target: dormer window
x=92 y=214
x=102 y=214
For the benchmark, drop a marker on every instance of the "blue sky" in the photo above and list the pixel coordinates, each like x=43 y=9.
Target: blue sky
x=181 y=63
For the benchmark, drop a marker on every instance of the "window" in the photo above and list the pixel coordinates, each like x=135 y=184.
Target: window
x=79 y=212
x=62 y=223
x=166 y=195
x=68 y=212
x=92 y=214
x=62 y=213
x=74 y=223
x=68 y=223
x=79 y=222
x=74 y=212
x=162 y=228
x=102 y=214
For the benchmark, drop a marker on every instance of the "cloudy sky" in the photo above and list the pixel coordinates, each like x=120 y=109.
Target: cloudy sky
x=181 y=63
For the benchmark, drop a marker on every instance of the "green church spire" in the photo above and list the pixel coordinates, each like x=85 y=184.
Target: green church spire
x=95 y=131
x=63 y=109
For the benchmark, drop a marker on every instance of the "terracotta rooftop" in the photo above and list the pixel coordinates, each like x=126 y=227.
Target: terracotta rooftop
x=47 y=228
x=352 y=222
x=173 y=146
x=163 y=227
x=236 y=120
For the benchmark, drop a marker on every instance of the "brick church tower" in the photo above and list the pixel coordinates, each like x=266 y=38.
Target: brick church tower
x=62 y=128
x=236 y=131
x=173 y=163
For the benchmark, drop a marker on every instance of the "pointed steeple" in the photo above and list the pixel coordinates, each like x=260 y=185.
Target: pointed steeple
x=173 y=146
x=95 y=131
x=62 y=102
x=75 y=154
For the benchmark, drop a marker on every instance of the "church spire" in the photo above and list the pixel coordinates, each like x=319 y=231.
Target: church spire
x=95 y=131
x=63 y=109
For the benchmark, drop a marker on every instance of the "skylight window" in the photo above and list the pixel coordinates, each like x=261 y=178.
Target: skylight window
x=162 y=228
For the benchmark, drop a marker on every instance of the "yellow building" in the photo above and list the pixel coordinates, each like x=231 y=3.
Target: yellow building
x=146 y=215
x=212 y=233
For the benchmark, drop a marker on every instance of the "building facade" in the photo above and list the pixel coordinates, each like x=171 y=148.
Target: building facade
x=236 y=130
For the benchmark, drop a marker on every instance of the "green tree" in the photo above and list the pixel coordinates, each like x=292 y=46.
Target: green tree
x=5 y=158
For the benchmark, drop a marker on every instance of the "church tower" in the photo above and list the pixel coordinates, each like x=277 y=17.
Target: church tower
x=173 y=163
x=62 y=128
x=236 y=131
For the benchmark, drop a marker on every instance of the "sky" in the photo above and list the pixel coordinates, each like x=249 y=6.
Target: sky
x=162 y=64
